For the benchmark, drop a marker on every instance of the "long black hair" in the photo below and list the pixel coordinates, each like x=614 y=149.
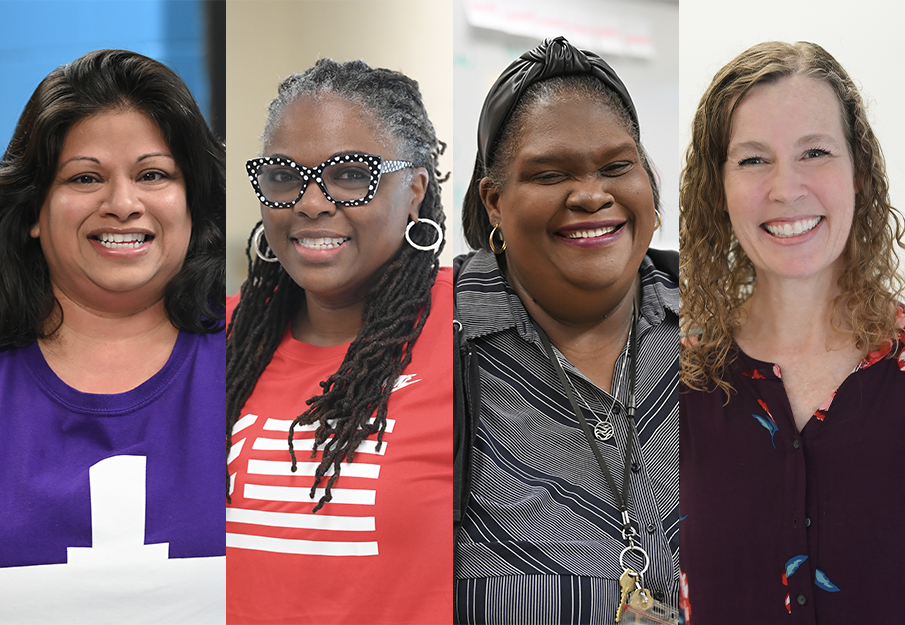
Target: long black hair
x=396 y=306
x=98 y=82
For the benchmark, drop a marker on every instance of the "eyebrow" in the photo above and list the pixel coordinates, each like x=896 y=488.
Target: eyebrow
x=334 y=155
x=815 y=138
x=756 y=146
x=555 y=155
x=153 y=154
x=95 y=160
x=763 y=147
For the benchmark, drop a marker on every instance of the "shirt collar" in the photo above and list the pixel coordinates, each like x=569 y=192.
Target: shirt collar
x=486 y=303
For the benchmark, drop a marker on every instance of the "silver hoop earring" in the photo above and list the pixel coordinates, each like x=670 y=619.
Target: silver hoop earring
x=433 y=247
x=256 y=243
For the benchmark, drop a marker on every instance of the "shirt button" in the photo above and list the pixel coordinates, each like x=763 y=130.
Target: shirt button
x=651 y=528
x=795 y=443
x=636 y=466
x=659 y=596
x=807 y=521
x=801 y=599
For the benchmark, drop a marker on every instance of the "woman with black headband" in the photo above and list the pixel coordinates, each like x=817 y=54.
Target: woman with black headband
x=567 y=421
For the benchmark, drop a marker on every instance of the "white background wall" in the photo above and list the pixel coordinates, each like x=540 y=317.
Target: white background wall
x=866 y=37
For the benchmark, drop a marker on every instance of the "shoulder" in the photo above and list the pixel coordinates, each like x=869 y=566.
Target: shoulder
x=444 y=278
x=659 y=273
x=442 y=294
x=203 y=354
x=231 y=302
x=665 y=263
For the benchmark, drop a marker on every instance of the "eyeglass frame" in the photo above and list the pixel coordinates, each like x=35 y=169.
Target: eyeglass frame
x=376 y=167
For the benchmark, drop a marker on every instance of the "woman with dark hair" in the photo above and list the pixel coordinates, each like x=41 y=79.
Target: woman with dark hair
x=111 y=350
x=568 y=445
x=793 y=442
x=339 y=339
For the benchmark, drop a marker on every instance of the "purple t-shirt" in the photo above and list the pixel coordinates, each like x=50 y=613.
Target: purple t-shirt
x=791 y=527
x=113 y=502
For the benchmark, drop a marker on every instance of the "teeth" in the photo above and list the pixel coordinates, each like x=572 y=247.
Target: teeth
x=590 y=234
x=793 y=229
x=121 y=241
x=323 y=243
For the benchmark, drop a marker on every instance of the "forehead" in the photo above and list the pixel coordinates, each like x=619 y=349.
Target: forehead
x=789 y=108
x=312 y=129
x=571 y=125
x=114 y=130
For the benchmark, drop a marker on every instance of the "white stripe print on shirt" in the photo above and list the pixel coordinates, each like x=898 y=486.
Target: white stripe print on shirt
x=264 y=514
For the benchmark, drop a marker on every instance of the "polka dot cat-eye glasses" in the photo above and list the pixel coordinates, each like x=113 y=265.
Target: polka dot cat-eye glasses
x=346 y=179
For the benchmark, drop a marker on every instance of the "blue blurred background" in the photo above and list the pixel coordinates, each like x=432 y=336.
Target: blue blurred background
x=38 y=36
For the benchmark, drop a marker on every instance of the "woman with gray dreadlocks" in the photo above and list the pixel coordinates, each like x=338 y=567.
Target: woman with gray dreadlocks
x=339 y=341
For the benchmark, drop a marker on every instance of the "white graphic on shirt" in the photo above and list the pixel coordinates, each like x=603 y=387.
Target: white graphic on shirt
x=404 y=380
x=118 y=579
x=350 y=531
x=118 y=515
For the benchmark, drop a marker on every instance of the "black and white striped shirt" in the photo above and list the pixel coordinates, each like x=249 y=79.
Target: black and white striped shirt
x=540 y=541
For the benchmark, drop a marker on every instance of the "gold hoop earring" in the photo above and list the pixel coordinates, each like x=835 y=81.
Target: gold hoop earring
x=493 y=247
x=659 y=220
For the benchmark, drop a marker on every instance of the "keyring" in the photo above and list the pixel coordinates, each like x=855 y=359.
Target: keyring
x=639 y=549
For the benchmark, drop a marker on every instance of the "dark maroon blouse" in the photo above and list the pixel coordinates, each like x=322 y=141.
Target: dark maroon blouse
x=795 y=528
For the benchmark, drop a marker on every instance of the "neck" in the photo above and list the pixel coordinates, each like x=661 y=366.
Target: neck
x=99 y=351
x=323 y=323
x=792 y=313
x=590 y=330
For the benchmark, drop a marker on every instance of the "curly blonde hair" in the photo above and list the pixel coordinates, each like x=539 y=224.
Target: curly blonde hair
x=716 y=276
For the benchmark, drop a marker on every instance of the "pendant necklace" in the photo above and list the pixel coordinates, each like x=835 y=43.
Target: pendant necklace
x=603 y=429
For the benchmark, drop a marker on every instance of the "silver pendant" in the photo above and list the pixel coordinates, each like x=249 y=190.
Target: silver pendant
x=603 y=431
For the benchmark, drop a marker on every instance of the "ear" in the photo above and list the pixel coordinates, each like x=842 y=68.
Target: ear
x=420 y=180
x=35 y=230
x=490 y=195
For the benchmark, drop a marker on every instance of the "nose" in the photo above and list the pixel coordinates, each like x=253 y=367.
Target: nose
x=590 y=195
x=123 y=200
x=314 y=203
x=786 y=183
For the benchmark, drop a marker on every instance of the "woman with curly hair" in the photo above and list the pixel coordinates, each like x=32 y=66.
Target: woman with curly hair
x=340 y=341
x=792 y=437
x=112 y=195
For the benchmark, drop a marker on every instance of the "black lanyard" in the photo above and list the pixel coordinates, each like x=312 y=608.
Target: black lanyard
x=628 y=532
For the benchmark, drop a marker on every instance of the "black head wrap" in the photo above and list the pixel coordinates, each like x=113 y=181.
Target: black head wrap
x=554 y=57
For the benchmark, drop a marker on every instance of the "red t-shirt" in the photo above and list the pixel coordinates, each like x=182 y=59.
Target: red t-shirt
x=381 y=550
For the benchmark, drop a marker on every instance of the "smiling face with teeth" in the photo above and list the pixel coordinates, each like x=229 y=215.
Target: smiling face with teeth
x=114 y=226
x=334 y=253
x=789 y=180
x=576 y=206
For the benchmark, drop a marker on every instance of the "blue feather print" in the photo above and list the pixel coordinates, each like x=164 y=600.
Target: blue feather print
x=771 y=427
x=793 y=564
x=824 y=582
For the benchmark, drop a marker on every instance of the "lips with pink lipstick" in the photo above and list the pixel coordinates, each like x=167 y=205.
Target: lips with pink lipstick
x=591 y=234
x=788 y=229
